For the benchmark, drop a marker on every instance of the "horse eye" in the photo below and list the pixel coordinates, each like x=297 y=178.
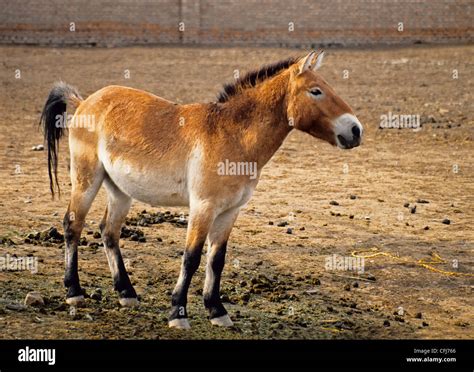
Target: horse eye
x=316 y=92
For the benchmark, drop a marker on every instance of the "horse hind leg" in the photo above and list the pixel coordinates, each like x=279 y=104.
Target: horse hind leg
x=86 y=178
x=118 y=206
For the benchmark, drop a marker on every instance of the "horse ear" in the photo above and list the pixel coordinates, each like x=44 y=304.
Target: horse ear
x=319 y=60
x=307 y=62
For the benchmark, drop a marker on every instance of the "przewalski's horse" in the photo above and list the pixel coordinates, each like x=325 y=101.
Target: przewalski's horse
x=147 y=148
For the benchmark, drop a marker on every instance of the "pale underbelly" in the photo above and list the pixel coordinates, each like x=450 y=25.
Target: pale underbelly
x=156 y=186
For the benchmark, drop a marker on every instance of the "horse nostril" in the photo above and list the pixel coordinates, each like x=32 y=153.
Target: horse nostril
x=356 y=131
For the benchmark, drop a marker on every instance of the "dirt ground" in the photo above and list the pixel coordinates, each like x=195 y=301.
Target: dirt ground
x=275 y=284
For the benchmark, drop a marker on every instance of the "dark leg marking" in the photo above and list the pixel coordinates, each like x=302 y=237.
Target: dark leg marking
x=215 y=265
x=191 y=261
x=121 y=279
x=71 y=277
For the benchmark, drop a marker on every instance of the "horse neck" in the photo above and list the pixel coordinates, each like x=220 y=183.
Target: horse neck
x=264 y=124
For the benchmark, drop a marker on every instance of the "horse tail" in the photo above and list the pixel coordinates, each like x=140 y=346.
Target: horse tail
x=54 y=123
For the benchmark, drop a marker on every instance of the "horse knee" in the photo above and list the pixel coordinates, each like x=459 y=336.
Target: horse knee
x=110 y=239
x=72 y=227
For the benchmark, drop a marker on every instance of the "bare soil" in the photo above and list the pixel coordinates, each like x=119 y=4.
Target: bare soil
x=275 y=284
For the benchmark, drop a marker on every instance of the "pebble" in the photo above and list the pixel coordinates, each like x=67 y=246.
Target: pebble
x=72 y=311
x=355 y=284
x=95 y=245
x=34 y=299
x=6 y=241
x=333 y=202
x=413 y=210
x=97 y=295
x=426 y=228
x=270 y=223
x=37 y=148
x=446 y=221
x=422 y=201
x=419 y=315
x=289 y=230
x=282 y=223
x=424 y=324
x=352 y=197
x=406 y=205
x=386 y=323
x=16 y=307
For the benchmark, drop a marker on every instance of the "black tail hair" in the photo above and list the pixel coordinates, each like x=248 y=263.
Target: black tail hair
x=54 y=126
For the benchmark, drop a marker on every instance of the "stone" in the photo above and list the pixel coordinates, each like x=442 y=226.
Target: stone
x=34 y=299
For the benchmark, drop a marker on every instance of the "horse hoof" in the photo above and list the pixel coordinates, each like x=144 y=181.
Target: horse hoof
x=181 y=323
x=128 y=302
x=75 y=301
x=222 y=321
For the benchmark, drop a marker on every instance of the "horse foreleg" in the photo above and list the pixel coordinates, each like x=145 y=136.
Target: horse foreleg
x=217 y=239
x=200 y=221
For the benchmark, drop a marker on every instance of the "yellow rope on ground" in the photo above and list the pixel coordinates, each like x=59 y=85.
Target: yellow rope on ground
x=436 y=259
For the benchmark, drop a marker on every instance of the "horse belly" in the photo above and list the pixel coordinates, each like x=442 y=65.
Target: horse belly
x=156 y=186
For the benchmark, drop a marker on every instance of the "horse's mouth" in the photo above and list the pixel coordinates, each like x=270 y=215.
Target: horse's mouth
x=345 y=144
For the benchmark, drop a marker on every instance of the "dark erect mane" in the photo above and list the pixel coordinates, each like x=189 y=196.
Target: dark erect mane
x=252 y=78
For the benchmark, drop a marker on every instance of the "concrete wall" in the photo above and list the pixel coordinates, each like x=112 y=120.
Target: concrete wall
x=239 y=22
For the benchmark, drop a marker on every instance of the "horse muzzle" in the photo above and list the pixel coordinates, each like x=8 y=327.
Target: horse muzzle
x=348 y=131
